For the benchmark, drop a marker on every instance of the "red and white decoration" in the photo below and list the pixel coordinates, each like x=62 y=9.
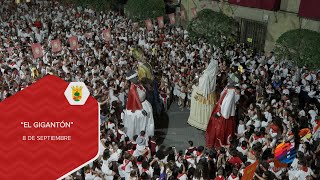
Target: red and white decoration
x=106 y=35
x=172 y=18
x=149 y=24
x=160 y=22
x=36 y=50
x=73 y=41
x=10 y=49
x=56 y=46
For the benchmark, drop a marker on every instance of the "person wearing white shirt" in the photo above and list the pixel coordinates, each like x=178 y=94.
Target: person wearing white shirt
x=302 y=173
x=106 y=160
x=299 y=156
x=272 y=59
x=243 y=149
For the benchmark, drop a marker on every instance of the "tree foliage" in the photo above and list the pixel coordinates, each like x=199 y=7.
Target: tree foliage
x=301 y=46
x=212 y=26
x=139 y=10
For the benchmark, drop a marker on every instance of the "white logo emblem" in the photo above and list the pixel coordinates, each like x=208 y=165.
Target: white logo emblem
x=77 y=93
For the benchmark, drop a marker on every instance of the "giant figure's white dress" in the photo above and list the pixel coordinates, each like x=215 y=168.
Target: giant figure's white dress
x=203 y=97
x=136 y=121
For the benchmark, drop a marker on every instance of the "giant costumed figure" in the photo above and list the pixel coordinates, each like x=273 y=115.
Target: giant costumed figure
x=203 y=97
x=138 y=115
x=148 y=80
x=222 y=122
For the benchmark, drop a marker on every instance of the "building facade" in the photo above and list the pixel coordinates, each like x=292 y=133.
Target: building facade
x=263 y=23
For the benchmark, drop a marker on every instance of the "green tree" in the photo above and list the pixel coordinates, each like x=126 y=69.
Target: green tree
x=301 y=46
x=212 y=26
x=139 y=10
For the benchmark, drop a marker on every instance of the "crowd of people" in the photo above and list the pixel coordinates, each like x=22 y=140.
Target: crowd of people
x=279 y=102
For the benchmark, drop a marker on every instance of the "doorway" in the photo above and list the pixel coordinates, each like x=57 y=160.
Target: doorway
x=253 y=33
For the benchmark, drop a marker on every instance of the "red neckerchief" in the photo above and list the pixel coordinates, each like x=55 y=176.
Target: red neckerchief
x=139 y=163
x=199 y=153
x=130 y=151
x=144 y=170
x=256 y=137
x=274 y=128
x=219 y=177
x=275 y=169
x=269 y=160
x=179 y=175
x=253 y=153
x=126 y=162
x=273 y=131
x=233 y=176
x=187 y=157
x=305 y=169
x=290 y=133
x=244 y=148
x=317 y=126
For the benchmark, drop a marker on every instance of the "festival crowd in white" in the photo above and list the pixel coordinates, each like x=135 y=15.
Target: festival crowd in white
x=279 y=102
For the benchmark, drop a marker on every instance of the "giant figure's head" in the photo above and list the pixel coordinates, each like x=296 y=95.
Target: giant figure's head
x=144 y=68
x=132 y=76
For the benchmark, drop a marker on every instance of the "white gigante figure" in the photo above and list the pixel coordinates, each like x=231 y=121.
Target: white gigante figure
x=203 y=97
x=138 y=115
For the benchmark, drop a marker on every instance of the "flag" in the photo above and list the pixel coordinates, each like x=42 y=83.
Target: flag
x=36 y=50
x=249 y=40
x=106 y=35
x=278 y=164
x=172 y=18
x=88 y=35
x=10 y=49
x=182 y=15
x=56 y=46
x=248 y=172
x=73 y=41
x=160 y=21
x=194 y=12
x=149 y=24
x=78 y=15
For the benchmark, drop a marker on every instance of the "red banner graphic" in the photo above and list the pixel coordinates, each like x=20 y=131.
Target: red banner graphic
x=44 y=137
